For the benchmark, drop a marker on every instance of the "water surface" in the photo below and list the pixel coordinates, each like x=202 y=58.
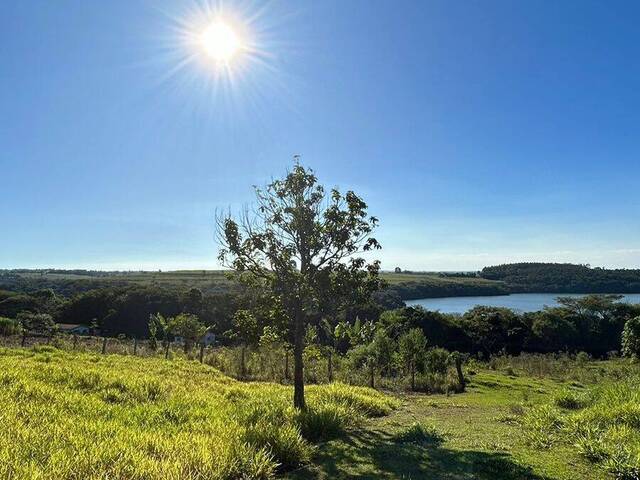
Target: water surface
x=521 y=302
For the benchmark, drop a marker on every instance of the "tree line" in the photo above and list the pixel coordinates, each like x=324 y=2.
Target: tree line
x=563 y=278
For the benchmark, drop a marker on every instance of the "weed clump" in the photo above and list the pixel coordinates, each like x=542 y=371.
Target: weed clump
x=605 y=429
x=420 y=434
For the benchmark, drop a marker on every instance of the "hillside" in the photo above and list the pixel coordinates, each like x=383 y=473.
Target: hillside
x=412 y=286
x=563 y=278
x=80 y=416
x=68 y=282
x=494 y=280
x=83 y=416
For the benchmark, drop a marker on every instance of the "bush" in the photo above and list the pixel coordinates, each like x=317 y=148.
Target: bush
x=582 y=358
x=9 y=327
x=437 y=361
x=569 y=399
x=631 y=338
x=419 y=433
x=542 y=426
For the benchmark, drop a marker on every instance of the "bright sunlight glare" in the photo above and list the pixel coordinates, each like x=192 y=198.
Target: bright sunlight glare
x=220 y=42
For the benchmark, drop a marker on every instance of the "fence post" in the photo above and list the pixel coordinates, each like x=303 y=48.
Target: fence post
x=461 y=382
x=135 y=346
x=104 y=345
x=166 y=350
x=75 y=341
x=286 y=365
x=201 y=352
x=24 y=338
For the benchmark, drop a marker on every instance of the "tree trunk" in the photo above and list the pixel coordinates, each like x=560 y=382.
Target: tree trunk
x=298 y=366
x=104 y=345
x=166 y=349
x=330 y=366
x=413 y=376
x=201 y=352
x=372 y=379
x=461 y=381
x=243 y=366
x=286 y=365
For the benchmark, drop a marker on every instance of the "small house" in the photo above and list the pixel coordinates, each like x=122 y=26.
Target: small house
x=209 y=338
x=74 y=329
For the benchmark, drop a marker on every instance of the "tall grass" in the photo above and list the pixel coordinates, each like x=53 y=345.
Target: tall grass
x=603 y=425
x=73 y=416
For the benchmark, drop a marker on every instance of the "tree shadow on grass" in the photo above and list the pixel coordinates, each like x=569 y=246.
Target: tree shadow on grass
x=375 y=455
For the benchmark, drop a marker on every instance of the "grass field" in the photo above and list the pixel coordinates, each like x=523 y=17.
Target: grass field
x=408 y=285
x=86 y=416
x=83 y=416
x=481 y=434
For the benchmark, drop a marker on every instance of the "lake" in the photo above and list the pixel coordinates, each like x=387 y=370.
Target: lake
x=521 y=302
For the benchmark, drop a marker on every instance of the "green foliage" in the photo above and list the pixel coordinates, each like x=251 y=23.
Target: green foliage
x=437 y=361
x=41 y=323
x=563 y=277
x=542 y=426
x=187 y=326
x=631 y=338
x=87 y=416
x=158 y=328
x=300 y=247
x=9 y=326
x=605 y=429
x=420 y=434
x=569 y=399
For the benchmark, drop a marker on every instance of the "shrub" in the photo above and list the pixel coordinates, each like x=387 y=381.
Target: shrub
x=631 y=338
x=582 y=358
x=419 y=433
x=569 y=399
x=9 y=327
x=542 y=426
x=437 y=361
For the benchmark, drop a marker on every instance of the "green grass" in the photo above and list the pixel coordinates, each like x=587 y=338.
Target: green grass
x=84 y=416
x=603 y=426
x=478 y=435
x=410 y=285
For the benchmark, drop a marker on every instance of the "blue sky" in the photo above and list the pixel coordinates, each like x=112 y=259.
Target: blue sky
x=479 y=132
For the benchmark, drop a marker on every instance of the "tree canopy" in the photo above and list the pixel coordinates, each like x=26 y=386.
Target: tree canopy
x=302 y=245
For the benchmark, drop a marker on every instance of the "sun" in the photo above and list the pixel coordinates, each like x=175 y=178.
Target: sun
x=220 y=42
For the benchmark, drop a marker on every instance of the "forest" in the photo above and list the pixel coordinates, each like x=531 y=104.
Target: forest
x=563 y=278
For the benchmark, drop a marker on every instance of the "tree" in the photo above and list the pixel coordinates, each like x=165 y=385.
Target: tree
x=494 y=328
x=158 y=325
x=41 y=323
x=187 y=326
x=9 y=327
x=332 y=336
x=301 y=245
x=245 y=328
x=631 y=338
x=412 y=347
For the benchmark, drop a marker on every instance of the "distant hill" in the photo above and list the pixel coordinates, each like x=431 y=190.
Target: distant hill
x=69 y=282
x=411 y=286
x=563 y=278
x=496 y=280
